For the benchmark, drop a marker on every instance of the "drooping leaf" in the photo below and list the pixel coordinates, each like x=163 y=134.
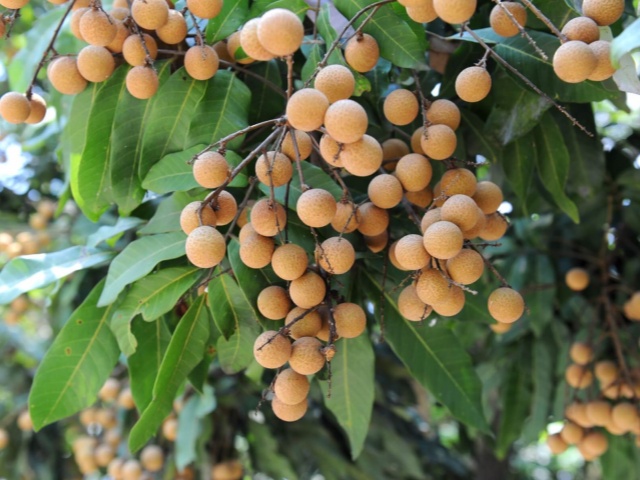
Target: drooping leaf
x=233 y=15
x=516 y=398
x=236 y=353
x=352 y=394
x=106 y=232
x=76 y=366
x=542 y=388
x=184 y=352
x=265 y=102
x=138 y=259
x=519 y=163
x=27 y=273
x=478 y=142
x=228 y=305
x=190 y=425
x=299 y=7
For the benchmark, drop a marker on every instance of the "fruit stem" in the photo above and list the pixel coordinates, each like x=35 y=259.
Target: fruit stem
x=148 y=61
x=11 y=21
x=522 y=30
x=284 y=330
x=538 y=13
x=243 y=204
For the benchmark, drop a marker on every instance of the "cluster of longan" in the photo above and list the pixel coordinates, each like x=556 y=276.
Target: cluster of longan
x=26 y=242
x=614 y=409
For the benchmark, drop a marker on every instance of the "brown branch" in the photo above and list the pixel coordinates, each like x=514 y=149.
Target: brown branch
x=538 y=13
x=523 y=32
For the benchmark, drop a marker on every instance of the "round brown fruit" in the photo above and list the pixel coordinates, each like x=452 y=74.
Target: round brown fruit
x=227 y=470
x=280 y=31
x=581 y=353
x=225 y=207
x=452 y=305
x=150 y=14
x=63 y=74
x=306 y=109
x=290 y=387
x=594 y=443
x=347 y=217
x=250 y=42
x=303 y=323
x=505 y=305
x=189 y=220
x=96 y=27
x=134 y=52
x=410 y=252
x=271 y=350
x=303 y=143
x=336 y=255
x=606 y=372
x=268 y=218
x=458 y=11
x=604 y=69
x=289 y=413
x=422 y=198
x=599 y=412
x=460 y=210
x=142 y=82
x=205 y=8
x=331 y=151
x=95 y=64
x=235 y=52
x=556 y=444
x=373 y=220
x=362 y=157
x=574 y=61
x=316 y=207
x=289 y=261
x=385 y=191
x=414 y=172
x=205 y=247
x=109 y=391
x=362 y=52
x=201 y=62
x=175 y=30
x=443 y=240
x=503 y=23
x=306 y=356
x=36 y=115
x=578 y=376
x=274 y=169
x=401 y=107
x=336 y=82
x=14 y=107
x=466 y=268
x=416 y=141
x=211 y=169
x=170 y=429
x=350 y=320
x=274 y=303
x=256 y=251
x=458 y=180
x=473 y=84
x=582 y=29
x=494 y=228
x=444 y=112
x=432 y=287
x=422 y=12
x=346 y=121
x=604 y=12
x=488 y=196
x=377 y=243
x=572 y=433
x=308 y=290
x=410 y=305
x=152 y=458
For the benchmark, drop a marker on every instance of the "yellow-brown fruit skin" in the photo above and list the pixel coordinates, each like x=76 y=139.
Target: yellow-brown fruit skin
x=572 y=433
x=377 y=243
x=444 y=112
x=577 y=279
x=74 y=23
x=385 y=191
x=201 y=62
x=401 y=107
x=604 y=69
x=307 y=326
x=14 y=4
x=268 y=219
x=502 y=23
x=581 y=353
x=274 y=169
x=347 y=217
x=505 y=305
x=606 y=372
x=625 y=416
x=331 y=151
x=14 y=107
x=410 y=252
x=306 y=109
x=95 y=64
x=350 y=320
x=150 y=14
x=336 y=82
x=443 y=240
x=205 y=8
x=306 y=357
x=495 y=228
x=227 y=470
x=122 y=33
x=422 y=13
x=452 y=305
x=152 y=458
x=457 y=11
x=466 y=268
x=233 y=49
x=578 y=376
x=416 y=141
x=500 y=328
x=205 y=247
x=250 y=42
x=599 y=412
x=97 y=28
x=594 y=443
x=458 y=180
x=373 y=220
x=574 y=61
x=414 y=172
x=226 y=208
x=274 y=354
x=142 y=82
x=289 y=413
x=316 y=207
x=556 y=444
x=362 y=157
x=430 y=217
x=256 y=251
x=290 y=387
x=582 y=29
x=336 y=255
x=170 y=429
x=488 y=197
x=280 y=31
x=432 y=287
x=362 y=52
x=460 y=210
x=134 y=52
x=603 y=12
x=273 y=303
x=211 y=170
x=303 y=142
x=346 y=121
x=308 y=290
x=422 y=198
x=393 y=149
x=175 y=30
x=64 y=76
x=289 y=261
x=473 y=84
x=410 y=305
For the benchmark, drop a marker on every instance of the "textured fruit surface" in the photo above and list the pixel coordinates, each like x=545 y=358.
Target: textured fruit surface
x=95 y=64
x=347 y=217
x=594 y=443
x=256 y=251
x=377 y=243
x=288 y=413
x=583 y=29
x=604 y=69
x=38 y=109
x=581 y=353
x=466 y=268
x=280 y=31
x=385 y=191
x=189 y=220
x=577 y=279
x=410 y=305
x=316 y=207
x=97 y=28
x=488 y=196
x=421 y=198
x=556 y=444
x=205 y=247
x=336 y=82
x=502 y=23
x=290 y=387
x=271 y=350
x=64 y=76
x=250 y=42
x=439 y=142
x=14 y=107
x=423 y=12
x=289 y=261
x=574 y=61
x=430 y=217
x=234 y=51
x=432 y=287
x=473 y=84
x=274 y=169
x=572 y=433
x=205 y=8
x=625 y=416
x=274 y=303
x=336 y=255
x=350 y=320
x=346 y=121
x=458 y=180
x=362 y=52
x=393 y=149
x=302 y=143
x=142 y=82
x=505 y=305
x=373 y=220
x=460 y=210
x=175 y=30
x=495 y=227
x=414 y=172
x=306 y=109
x=401 y=107
x=134 y=51
x=225 y=207
x=444 y=112
x=453 y=303
x=443 y=240
x=210 y=170
x=604 y=12
x=201 y=62
x=455 y=11
x=308 y=290
x=306 y=356
x=150 y=14
x=362 y=157
x=302 y=323
x=410 y=252
x=122 y=33
x=268 y=218
x=578 y=376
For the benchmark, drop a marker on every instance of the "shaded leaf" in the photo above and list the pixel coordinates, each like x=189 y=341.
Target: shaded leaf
x=233 y=15
x=479 y=143
x=515 y=407
x=265 y=102
x=229 y=307
x=519 y=163
x=542 y=373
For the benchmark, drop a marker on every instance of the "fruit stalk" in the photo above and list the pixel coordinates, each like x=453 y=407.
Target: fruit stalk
x=536 y=11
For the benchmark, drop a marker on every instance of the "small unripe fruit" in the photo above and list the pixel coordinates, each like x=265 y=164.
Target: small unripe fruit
x=280 y=31
x=443 y=240
x=256 y=251
x=205 y=247
x=578 y=376
x=502 y=23
x=336 y=255
x=268 y=218
x=494 y=228
x=306 y=356
x=201 y=62
x=350 y=320
x=303 y=143
x=250 y=42
x=95 y=64
x=582 y=29
x=308 y=290
x=274 y=169
x=362 y=157
x=581 y=353
x=362 y=52
x=175 y=30
x=410 y=252
x=211 y=170
x=460 y=210
x=455 y=11
x=274 y=303
x=38 y=110
x=97 y=27
x=444 y=112
x=466 y=268
x=604 y=12
x=432 y=287
x=150 y=14
x=14 y=107
x=336 y=82
x=109 y=391
x=385 y=191
x=574 y=61
x=473 y=84
x=604 y=69
x=142 y=82
x=346 y=121
x=347 y=217
x=64 y=76
x=290 y=387
x=414 y=172
x=401 y=107
x=373 y=220
x=289 y=261
x=226 y=208
x=301 y=324
x=134 y=51
x=572 y=433
x=289 y=413
x=556 y=444
x=599 y=412
x=410 y=305
x=273 y=354
x=505 y=305
x=316 y=207
x=452 y=305
x=152 y=458
x=306 y=109
x=205 y=8
x=189 y=220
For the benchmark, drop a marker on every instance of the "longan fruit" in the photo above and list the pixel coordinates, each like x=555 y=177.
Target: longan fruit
x=452 y=305
x=410 y=305
x=631 y=307
x=274 y=169
x=290 y=387
x=346 y=121
x=189 y=220
x=401 y=107
x=604 y=69
x=24 y=421
x=336 y=82
x=4 y=439
x=273 y=354
x=577 y=412
x=14 y=107
x=502 y=23
x=500 y=328
x=104 y=454
x=274 y=303
x=376 y=243
x=38 y=110
x=614 y=429
x=306 y=109
x=303 y=142
x=488 y=197
x=330 y=151
x=457 y=11
x=604 y=12
x=410 y=252
x=205 y=8
x=201 y=62
x=422 y=12
x=280 y=31
x=336 y=255
x=205 y=247
x=170 y=429
x=430 y=217
x=222 y=50
x=443 y=240
x=505 y=305
x=211 y=170
x=308 y=325
x=606 y=372
x=306 y=356
x=373 y=220
x=97 y=28
x=14 y=4
x=625 y=416
x=385 y=191
x=444 y=112
x=227 y=470
x=458 y=180
x=256 y=251
x=175 y=30
x=225 y=207
x=350 y=320
x=414 y=172
x=88 y=416
x=473 y=84
x=416 y=141
x=594 y=443
x=109 y=391
x=74 y=22
x=234 y=51
x=574 y=61
x=466 y=268
x=150 y=14
x=393 y=149
x=578 y=376
x=432 y=287
x=572 y=433
x=289 y=413
x=556 y=444
x=289 y=261
x=460 y=210
x=362 y=157
x=268 y=218
x=20 y=305
x=152 y=458
x=599 y=412
x=392 y=256
x=581 y=353
x=316 y=207
x=347 y=217
x=122 y=33
x=95 y=64
x=422 y=198
x=325 y=330
x=250 y=42
x=362 y=52
x=582 y=29
x=142 y=82
x=308 y=290
x=125 y=399
x=495 y=227
x=119 y=13
x=131 y=470
x=133 y=50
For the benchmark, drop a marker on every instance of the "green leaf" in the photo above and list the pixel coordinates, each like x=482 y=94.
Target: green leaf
x=352 y=394
x=315 y=56
x=519 y=163
x=229 y=307
x=236 y=353
x=199 y=374
x=479 y=142
x=233 y=15
x=553 y=164
x=265 y=102
x=152 y=339
x=627 y=42
x=397 y=40
x=190 y=426
x=621 y=460
x=265 y=452
x=76 y=366
x=183 y=353
x=27 y=273
x=223 y=110
x=299 y=7
x=106 y=232
x=515 y=407
x=542 y=373
x=138 y=259
x=167 y=130
x=435 y=358
x=540 y=297
x=167 y=216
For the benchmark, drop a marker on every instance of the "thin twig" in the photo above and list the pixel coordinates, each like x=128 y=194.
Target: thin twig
x=522 y=30
x=243 y=204
x=536 y=11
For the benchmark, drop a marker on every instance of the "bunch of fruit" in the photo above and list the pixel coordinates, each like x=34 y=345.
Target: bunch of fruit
x=29 y=242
